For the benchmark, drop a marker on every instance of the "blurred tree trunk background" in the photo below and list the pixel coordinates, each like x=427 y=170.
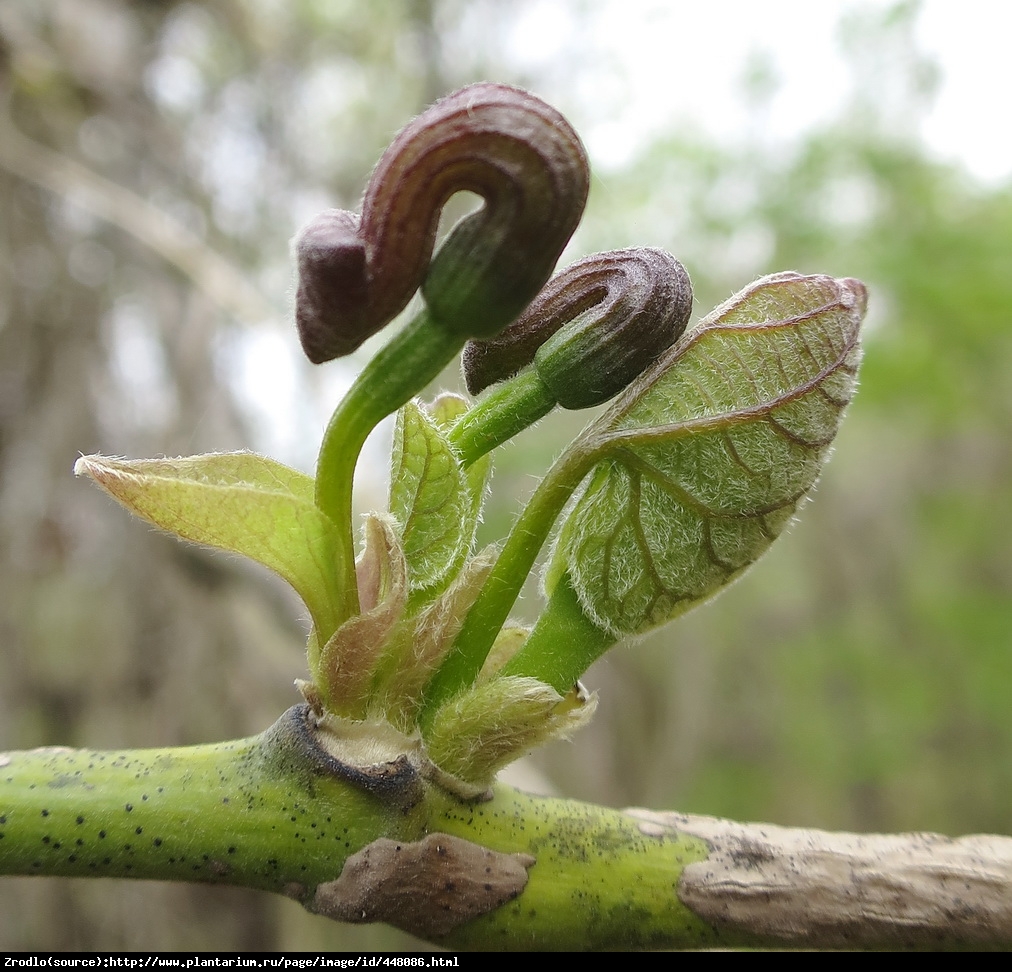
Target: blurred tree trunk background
x=155 y=159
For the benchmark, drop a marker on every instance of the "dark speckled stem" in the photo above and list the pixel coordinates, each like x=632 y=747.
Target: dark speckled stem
x=266 y=812
x=600 y=882
x=279 y=813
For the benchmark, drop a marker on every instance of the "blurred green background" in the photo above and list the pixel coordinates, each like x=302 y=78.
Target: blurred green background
x=155 y=159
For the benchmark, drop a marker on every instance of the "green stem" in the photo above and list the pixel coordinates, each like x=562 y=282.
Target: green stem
x=563 y=644
x=599 y=882
x=258 y=812
x=509 y=408
x=280 y=812
x=276 y=812
x=502 y=587
x=414 y=357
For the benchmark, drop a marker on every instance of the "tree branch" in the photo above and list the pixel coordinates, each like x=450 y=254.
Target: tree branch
x=816 y=889
x=289 y=811
x=207 y=269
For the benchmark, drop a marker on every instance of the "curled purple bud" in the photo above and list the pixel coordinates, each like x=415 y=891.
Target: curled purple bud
x=506 y=145
x=595 y=327
x=332 y=288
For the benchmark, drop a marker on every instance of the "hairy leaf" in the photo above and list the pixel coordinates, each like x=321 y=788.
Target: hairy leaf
x=705 y=459
x=417 y=649
x=432 y=500
x=235 y=501
x=345 y=665
x=446 y=409
x=497 y=721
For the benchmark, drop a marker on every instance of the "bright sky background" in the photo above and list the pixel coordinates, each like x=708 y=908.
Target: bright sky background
x=682 y=62
x=628 y=71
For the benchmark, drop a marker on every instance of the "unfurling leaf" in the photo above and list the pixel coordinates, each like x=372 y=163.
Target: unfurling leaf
x=235 y=501
x=422 y=640
x=434 y=502
x=446 y=410
x=344 y=668
x=706 y=457
x=496 y=722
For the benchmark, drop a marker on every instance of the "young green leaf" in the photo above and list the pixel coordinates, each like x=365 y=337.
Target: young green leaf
x=413 y=652
x=446 y=410
x=706 y=457
x=433 y=501
x=485 y=728
x=235 y=501
x=343 y=668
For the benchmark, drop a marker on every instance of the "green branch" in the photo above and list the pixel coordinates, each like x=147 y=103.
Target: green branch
x=283 y=812
x=263 y=813
x=278 y=812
